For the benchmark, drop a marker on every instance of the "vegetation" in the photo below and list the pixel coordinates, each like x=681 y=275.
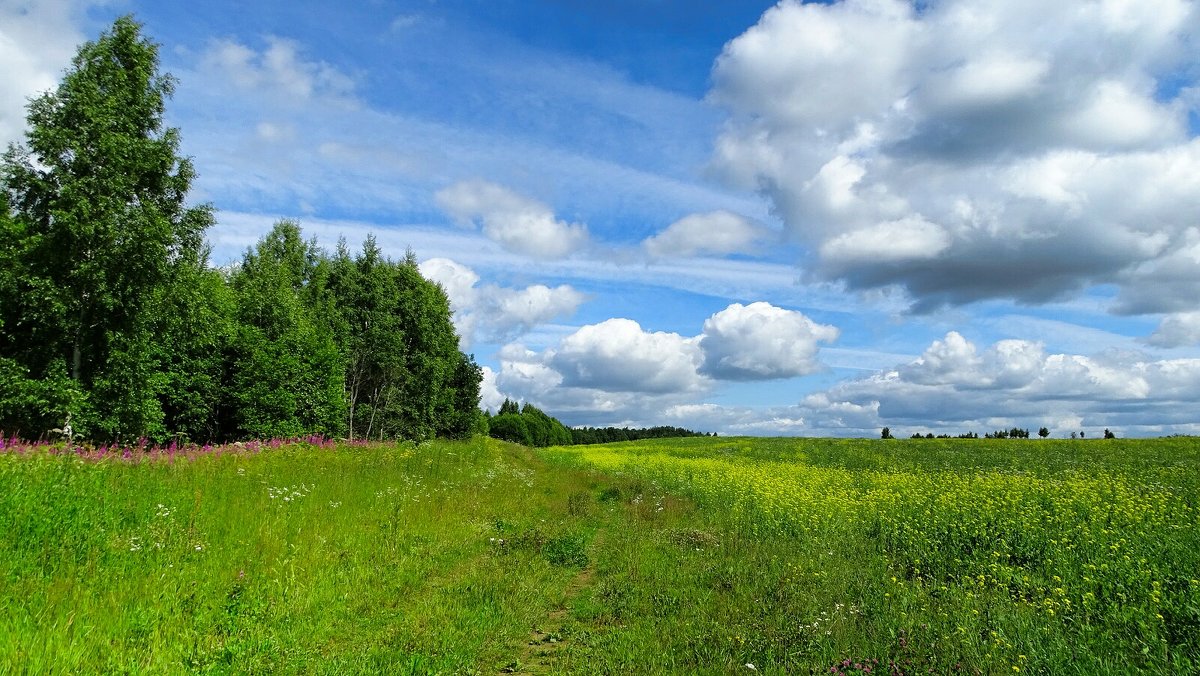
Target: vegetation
x=993 y=556
x=113 y=326
x=530 y=426
x=606 y=435
x=685 y=556
x=527 y=425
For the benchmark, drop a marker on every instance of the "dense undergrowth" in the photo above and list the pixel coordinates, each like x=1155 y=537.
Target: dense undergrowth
x=683 y=556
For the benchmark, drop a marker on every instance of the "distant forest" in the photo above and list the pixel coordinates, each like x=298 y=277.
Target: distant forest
x=114 y=326
x=531 y=426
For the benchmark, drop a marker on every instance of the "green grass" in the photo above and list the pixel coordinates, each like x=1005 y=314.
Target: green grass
x=685 y=556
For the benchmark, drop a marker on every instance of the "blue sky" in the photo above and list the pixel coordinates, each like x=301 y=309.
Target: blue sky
x=741 y=217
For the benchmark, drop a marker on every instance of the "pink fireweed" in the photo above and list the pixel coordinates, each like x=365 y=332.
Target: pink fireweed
x=143 y=451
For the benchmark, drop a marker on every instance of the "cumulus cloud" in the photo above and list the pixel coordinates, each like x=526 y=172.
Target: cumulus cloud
x=618 y=355
x=518 y=223
x=964 y=151
x=37 y=41
x=493 y=312
x=618 y=373
x=1177 y=330
x=715 y=232
x=760 y=341
x=955 y=386
x=490 y=397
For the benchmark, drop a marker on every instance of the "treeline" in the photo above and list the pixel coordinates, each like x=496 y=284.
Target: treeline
x=531 y=426
x=114 y=326
x=1012 y=433
x=527 y=425
x=605 y=435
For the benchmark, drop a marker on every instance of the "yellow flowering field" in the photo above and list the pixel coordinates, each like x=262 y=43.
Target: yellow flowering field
x=997 y=555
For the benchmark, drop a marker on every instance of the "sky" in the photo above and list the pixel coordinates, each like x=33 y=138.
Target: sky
x=740 y=217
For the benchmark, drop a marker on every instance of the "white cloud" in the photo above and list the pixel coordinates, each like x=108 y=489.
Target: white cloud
x=1182 y=328
x=37 y=41
x=617 y=373
x=490 y=397
x=279 y=71
x=760 y=341
x=1034 y=150
x=518 y=223
x=911 y=238
x=955 y=387
x=493 y=312
x=715 y=232
x=618 y=355
x=952 y=387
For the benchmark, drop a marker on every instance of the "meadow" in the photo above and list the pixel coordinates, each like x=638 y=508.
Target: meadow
x=703 y=555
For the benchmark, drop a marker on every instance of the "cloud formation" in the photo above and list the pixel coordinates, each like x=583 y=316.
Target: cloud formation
x=615 y=371
x=960 y=151
x=1177 y=330
x=517 y=223
x=954 y=385
x=279 y=71
x=493 y=312
x=714 y=233
x=760 y=342
x=618 y=355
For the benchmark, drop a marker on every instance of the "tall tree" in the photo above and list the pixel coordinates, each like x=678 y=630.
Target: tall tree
x=286 y=369
x=98 y=195
x=368 y=324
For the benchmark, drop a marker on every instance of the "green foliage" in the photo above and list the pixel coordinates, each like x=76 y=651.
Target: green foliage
x=546 y=431
x=404 y=375
x=195 y=325
x=100 y=233
x=511 y=427
x=98 y=203
x=509 y=406
x=528 y=425
x=286 y=369
x=30 y=407
x=464 y=418
x=605 y=435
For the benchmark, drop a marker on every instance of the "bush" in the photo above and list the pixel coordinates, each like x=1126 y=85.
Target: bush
x=510 y=427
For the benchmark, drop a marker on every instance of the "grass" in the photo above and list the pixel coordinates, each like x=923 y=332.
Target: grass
x=685 y=556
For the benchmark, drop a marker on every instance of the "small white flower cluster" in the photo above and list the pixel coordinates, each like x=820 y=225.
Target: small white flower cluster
x=289 y=493
x=839 y=610
x=390 y=490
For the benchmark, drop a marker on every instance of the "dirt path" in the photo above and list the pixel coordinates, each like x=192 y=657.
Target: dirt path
x=537 y=655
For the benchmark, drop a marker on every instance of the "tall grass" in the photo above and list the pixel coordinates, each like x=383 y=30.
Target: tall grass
x=665 y=556
x=301 y=558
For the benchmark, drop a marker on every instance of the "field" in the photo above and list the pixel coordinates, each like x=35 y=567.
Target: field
x=707 y=555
